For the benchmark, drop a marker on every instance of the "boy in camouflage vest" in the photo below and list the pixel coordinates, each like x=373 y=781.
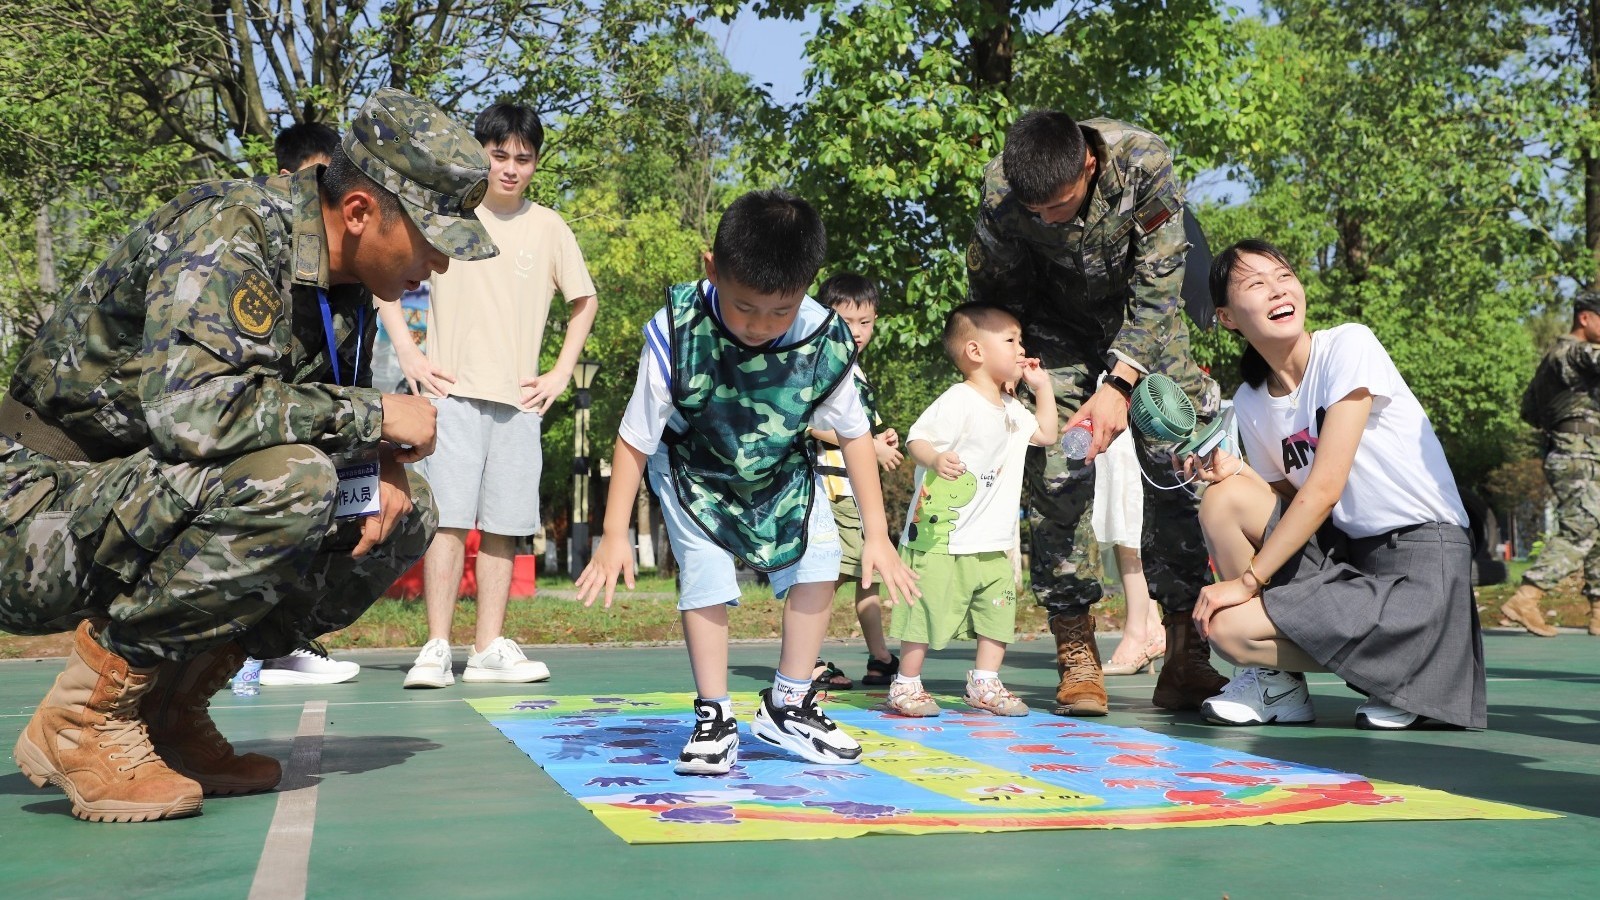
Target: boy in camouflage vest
x=1563 y=400
x=734 y=371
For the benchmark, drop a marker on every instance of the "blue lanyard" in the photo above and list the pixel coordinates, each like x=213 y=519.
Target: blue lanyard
x=333 y=348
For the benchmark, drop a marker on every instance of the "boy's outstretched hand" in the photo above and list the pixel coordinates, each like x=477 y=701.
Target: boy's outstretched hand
x=611 y=557
x=877 y=555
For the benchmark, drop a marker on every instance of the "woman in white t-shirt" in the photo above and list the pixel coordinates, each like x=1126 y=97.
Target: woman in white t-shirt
x=1342 y=546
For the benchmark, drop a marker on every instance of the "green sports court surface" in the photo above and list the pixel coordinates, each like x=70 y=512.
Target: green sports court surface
x=393 y=793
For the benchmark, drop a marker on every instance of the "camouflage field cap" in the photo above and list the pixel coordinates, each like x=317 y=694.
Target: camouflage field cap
x=1586 y=300
x=435 y=166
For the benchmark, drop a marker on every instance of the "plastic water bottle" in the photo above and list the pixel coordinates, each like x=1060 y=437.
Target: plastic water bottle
x=247 y=681
x=1075 y=443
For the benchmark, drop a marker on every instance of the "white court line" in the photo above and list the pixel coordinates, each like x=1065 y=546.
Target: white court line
x=286 y=856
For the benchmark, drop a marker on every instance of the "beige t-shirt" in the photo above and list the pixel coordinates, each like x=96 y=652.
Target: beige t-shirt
x=486 y=320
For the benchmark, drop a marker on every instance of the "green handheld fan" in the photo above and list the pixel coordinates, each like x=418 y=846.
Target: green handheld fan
x=1163 y=412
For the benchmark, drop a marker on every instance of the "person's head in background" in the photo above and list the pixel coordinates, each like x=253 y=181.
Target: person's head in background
x=512 y=136
x=855 y=298
x=306 y=144
x=767 y=250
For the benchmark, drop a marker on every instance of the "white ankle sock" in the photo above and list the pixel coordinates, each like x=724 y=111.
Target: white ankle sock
x=981 y=674
x=787 y=691
x=914 y=682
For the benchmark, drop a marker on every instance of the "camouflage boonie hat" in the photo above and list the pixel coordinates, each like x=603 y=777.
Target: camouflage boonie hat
x=436 y=167
x=1586 y=300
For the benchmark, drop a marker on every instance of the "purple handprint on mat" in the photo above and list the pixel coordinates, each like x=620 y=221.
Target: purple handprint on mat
x=827 y=774
x=533 y=704
x=662 y=799
x=699 y=815
x=639 y=759
x=620 y=781
x=851 y=810
x=777 y=791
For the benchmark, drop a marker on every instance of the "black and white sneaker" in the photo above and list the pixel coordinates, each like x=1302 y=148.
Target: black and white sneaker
x=713 y=747
x=804 y=730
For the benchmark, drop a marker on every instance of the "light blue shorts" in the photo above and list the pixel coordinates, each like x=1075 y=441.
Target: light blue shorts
x=706 y=573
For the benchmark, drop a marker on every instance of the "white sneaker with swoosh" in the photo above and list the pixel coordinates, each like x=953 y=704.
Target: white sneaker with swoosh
x=804 y=730
x=1258 y=696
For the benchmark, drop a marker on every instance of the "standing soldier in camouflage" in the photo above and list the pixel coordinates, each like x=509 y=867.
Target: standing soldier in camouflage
x=1563 y=400
x=187 y=448
x=1080 y=235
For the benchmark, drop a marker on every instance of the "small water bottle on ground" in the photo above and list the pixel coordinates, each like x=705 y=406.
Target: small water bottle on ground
x=1075 y=443
x=247 y=681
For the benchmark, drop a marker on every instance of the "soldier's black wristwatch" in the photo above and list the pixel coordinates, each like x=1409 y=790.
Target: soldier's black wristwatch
x=1122 y=385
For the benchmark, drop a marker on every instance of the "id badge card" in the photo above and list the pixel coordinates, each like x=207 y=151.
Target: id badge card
x=358 y=487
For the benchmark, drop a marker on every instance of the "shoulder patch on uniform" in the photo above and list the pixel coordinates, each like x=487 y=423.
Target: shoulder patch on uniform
x=1156 y=212
x=256 y=305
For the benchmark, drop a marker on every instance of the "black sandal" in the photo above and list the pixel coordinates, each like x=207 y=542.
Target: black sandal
x=832 y=678
x=881 y=673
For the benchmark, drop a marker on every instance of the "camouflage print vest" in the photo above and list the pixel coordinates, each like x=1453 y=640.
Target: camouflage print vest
x=743 y=469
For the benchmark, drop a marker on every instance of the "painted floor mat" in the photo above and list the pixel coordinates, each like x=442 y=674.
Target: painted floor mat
x=959 y=772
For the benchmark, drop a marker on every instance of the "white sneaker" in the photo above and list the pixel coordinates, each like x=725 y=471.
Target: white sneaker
x=307 y=665
x=804 y=730
x=503 y=663
x=1376 y=716
x=432 y=668
x=713 y=746
x=1257 y=696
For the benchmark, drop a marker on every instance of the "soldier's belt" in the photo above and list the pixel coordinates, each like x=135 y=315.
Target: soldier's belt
x=39 y=433
x=1576 y=426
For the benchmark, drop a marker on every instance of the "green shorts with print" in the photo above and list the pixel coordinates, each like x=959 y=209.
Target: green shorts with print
x=847 y=516
x=963 y=597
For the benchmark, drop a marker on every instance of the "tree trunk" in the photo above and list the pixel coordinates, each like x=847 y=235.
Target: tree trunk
x=992 y=47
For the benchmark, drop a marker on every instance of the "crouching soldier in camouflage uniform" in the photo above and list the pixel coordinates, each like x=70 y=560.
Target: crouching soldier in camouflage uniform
x=172 y=445
x=1563 y=400
x=1080 y=235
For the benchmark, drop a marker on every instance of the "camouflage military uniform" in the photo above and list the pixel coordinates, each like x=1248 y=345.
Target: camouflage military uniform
x=169 y=456
x=1088 y=292
x=1564 y=400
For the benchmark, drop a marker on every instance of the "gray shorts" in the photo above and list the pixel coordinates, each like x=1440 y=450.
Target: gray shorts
x=485 y=466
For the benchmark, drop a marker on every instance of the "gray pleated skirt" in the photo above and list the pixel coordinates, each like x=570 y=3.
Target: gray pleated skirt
x=1393 y=615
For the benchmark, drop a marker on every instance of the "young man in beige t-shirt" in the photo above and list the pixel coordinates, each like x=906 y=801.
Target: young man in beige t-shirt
x=485 y=326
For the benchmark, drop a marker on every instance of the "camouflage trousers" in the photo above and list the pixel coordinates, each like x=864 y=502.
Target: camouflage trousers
x=1059 y=491
x=1575 y=484
x=183 y=556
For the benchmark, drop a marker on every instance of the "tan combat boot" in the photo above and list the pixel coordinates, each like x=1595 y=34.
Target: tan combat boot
x=1594 y=617
x=1187 y=680
x=1523 y=609
x=87 y=739
x=178 y=713
x=1082 y=691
